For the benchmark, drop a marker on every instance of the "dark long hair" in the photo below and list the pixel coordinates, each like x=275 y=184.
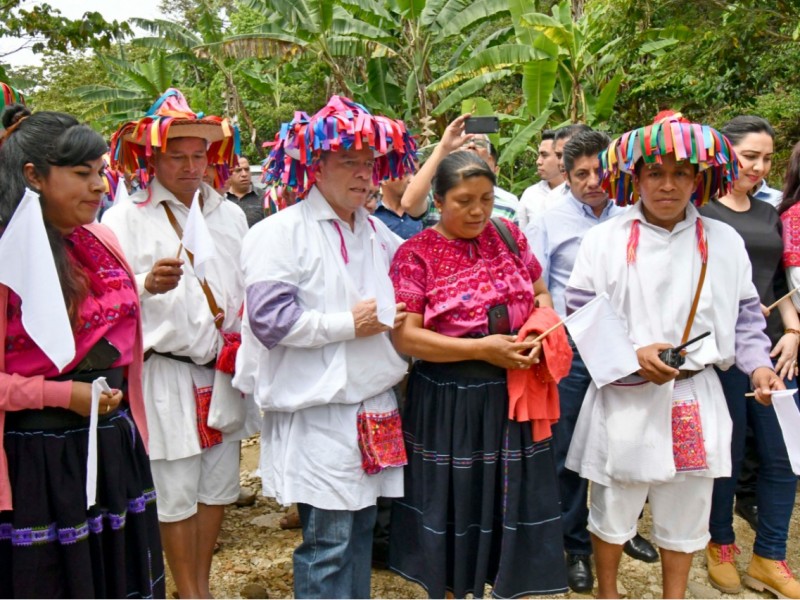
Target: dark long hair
x=457 y=167
x=791 y=182
x=46 y=139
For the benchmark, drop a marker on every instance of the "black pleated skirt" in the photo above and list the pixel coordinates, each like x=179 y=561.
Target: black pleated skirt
x=481 y=498
x=51 y=546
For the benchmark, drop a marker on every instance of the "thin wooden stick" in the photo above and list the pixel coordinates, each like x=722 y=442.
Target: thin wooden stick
x=180 y=249
x=782 y=298
x=753 y=394
x=548 y=331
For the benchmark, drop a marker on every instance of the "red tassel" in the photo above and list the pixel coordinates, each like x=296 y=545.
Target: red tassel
x=226 y=360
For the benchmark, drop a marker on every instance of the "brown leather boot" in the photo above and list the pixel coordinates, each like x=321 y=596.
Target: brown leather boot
x=772 y=575
x=722 y=573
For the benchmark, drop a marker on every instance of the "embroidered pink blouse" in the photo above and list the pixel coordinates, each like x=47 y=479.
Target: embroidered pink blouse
x=453 y=283
x=110 y=311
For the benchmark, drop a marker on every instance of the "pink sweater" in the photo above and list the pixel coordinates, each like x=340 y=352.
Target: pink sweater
x=20 y=393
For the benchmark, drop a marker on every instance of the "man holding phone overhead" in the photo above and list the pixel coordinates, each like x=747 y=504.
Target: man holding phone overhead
x=466 y=133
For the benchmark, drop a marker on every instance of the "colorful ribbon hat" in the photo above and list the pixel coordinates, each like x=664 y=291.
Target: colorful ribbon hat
x=670 y=133
x=10 y=96
x=340 y=124
x=133 y=144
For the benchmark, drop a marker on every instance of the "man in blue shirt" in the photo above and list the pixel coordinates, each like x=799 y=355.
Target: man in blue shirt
x=555 y=237
x=391 y=212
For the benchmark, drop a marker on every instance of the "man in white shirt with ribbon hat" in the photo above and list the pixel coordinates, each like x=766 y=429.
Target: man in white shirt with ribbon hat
x=315 y=340
x=664 y=433
x=189 y=311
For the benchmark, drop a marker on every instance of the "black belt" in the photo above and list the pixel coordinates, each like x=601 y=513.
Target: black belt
x=184 y=359
x=51 y=417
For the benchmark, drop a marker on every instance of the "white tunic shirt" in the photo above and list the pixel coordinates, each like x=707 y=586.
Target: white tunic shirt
x=315 y=375
x=180 y=321
x=538 y=199
x=624 y=429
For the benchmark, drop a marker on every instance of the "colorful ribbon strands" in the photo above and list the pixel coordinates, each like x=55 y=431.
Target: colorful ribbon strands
x=170 y=117
x=670 y=133
x=341 y=124
x=10 y=95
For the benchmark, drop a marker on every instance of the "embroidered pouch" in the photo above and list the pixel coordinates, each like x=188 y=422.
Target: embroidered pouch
x=688 y=447
x=208 y=436
x=380 y=439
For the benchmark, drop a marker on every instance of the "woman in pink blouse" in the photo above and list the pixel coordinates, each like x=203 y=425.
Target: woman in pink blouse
x=481 y=498
x=50 y=544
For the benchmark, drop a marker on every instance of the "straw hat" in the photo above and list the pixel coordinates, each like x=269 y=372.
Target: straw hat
x=133 y=144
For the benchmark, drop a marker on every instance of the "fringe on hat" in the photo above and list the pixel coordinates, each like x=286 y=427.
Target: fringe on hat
x=341 y=124
x=670 y=133
x=170 y=117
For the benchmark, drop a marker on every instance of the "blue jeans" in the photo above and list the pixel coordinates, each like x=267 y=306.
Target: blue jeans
x=776 y=484
x=572 y=487
x=335 y=558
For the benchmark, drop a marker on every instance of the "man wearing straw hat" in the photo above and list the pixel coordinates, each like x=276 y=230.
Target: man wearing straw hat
x=315 y=342
x=664 y=433
x=184 y=310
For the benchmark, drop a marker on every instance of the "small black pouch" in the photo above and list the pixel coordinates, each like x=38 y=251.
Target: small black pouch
x=100 y=357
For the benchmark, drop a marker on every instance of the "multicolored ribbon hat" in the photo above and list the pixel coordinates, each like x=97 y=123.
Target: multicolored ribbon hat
x=10 y=96
x=341 y=124
x=133 y=144
x=670 y=133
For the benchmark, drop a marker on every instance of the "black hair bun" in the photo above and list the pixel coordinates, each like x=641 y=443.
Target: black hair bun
x=13 y=113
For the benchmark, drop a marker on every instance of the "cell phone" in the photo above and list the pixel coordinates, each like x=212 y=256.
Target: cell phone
x=498 y=319
x=482 y=125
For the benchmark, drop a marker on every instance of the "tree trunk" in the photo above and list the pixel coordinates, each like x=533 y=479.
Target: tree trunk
x=577 y=9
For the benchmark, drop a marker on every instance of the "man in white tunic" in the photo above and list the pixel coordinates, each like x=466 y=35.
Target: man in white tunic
x=665 y=433
x=316 y=348
x=181 y=339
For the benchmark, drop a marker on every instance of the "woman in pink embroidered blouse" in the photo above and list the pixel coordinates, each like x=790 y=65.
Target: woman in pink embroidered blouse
x=51 y=545
x=481 y=500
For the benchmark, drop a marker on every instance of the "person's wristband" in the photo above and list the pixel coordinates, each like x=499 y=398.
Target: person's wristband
x=790 y=330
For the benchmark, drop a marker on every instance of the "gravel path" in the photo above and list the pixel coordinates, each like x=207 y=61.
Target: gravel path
x=255 y=559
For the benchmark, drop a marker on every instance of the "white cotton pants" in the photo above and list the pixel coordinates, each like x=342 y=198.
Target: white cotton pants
x=211 y=477
x=680 y=511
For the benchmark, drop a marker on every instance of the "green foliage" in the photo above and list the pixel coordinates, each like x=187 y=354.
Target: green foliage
x=54 y=32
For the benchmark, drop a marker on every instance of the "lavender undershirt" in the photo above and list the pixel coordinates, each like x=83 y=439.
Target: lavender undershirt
x=272 y=310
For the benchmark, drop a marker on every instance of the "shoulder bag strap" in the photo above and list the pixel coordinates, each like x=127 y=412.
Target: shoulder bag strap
x=505 y=233
x=695 y=302
x=216 y=311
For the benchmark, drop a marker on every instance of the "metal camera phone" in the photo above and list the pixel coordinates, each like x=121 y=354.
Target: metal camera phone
x=498 y=319
x=673 y=357
x=482 y=125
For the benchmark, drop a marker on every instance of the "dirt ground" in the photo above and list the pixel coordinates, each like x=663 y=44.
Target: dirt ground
x=255 y=558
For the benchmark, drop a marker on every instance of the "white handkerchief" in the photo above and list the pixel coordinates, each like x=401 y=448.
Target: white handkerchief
x=27 y=266
x=789 y=420
x=99 y=386
x=602 y=341
x=384 y=290
x=197 y=238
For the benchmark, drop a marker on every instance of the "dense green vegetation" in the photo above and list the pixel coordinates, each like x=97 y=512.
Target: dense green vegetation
x=536 y=63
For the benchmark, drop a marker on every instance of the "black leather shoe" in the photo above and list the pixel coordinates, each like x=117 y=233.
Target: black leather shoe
x=640 y=549
x=579 y=573
x=749 y=512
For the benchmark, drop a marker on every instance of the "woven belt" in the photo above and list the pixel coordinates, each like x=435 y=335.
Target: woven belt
x=687 y=374
x=184 y=359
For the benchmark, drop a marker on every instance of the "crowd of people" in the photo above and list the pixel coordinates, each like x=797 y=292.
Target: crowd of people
x=399 y=332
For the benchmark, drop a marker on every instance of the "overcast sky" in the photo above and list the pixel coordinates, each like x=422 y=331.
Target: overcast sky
x=111 y=10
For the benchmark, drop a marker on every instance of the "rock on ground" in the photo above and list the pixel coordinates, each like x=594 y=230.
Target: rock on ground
x=255 y=558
